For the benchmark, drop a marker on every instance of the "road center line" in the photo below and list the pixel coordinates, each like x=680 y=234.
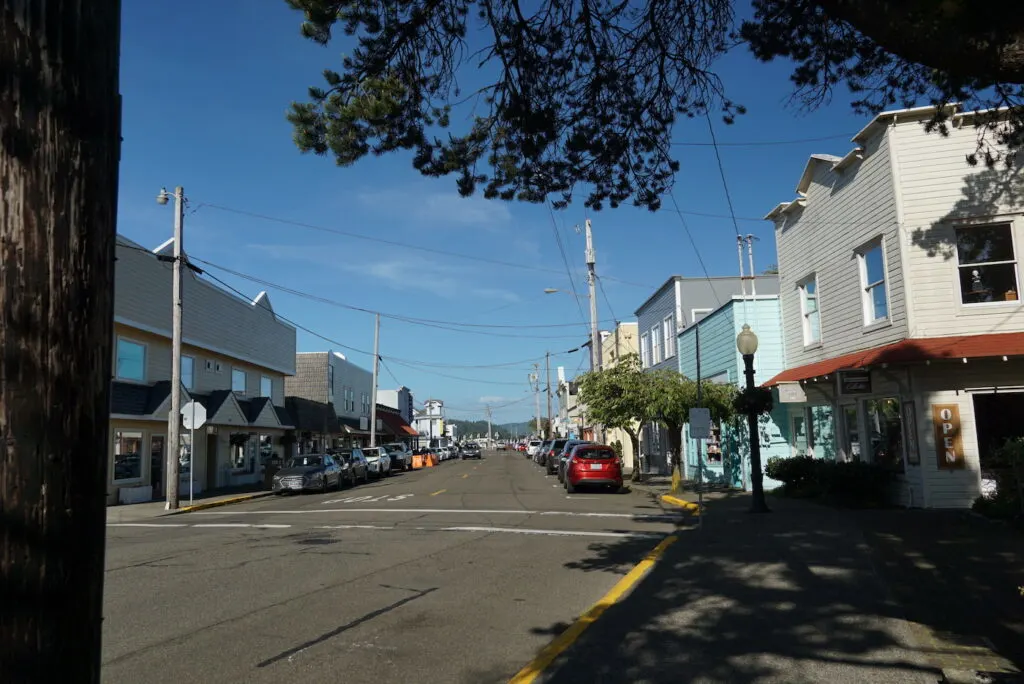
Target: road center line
x=465 y=476
x=271 y=526
x=147 y=525
x=439 y=491
x=553 y=533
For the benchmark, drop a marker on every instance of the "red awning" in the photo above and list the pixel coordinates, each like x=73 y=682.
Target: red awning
x=396 y=425
x=911 y=351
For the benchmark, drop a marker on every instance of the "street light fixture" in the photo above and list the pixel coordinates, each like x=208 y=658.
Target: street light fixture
x=746 y=343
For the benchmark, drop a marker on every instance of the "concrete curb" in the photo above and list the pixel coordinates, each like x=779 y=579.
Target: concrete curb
x=220 y=502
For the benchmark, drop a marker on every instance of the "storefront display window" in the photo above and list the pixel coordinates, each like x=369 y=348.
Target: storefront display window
x=885 y=430
x=127 y=455
x=852 y=433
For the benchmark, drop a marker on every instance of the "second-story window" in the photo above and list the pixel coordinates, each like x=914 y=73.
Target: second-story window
x=810 y=312
x=131 y=360
x=656 y=345
x=872 y=279
x=645 y=350
x=669 y=328
x=987 y=264
x=266 y=386
x=238 y=381
x=188 y=371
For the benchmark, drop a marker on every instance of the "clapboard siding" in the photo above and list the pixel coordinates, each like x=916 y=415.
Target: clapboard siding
x=937 y=188
x=844 y=210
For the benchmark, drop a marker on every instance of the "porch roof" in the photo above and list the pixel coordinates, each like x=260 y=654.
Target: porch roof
x=396 y=424
x=914 y=350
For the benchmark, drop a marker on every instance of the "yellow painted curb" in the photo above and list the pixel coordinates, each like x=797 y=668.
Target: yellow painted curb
x=564 y=640
x=221 y=502
x=676 y=501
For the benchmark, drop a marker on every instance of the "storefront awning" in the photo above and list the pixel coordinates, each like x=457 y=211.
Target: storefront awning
x=911 y=351
x=396 y=425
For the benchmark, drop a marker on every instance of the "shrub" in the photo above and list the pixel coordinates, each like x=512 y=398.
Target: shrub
x=852 y=484
x=1006 y=465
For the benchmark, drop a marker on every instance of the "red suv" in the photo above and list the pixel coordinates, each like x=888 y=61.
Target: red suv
x=593 y=465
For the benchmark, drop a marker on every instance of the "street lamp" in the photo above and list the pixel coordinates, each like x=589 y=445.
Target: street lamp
x=746 y=343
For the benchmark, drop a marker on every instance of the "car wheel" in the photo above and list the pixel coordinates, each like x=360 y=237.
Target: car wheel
x=569 y=487
x=323 y=484
x=340 y=484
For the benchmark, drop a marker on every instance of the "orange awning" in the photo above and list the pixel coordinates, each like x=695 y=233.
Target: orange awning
x=911 y=351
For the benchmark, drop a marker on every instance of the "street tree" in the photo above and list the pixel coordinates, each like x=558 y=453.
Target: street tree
x=619 y=397
x=540 y=428
x=565 y=92
x=673 y=395
x=59 y=152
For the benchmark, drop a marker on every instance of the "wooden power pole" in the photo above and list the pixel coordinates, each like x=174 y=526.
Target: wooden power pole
x=59 y=154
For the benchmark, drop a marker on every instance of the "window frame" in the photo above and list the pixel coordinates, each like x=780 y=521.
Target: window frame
x=270 y=382
x=656 y=344
x=143 y=455
x=669 y=331
x=245 y=380
x=700 y=310
x=991 y=221
x=866 y=288
x=804 y=314
x=191 y=384
x=145 y=360
x=645 y=350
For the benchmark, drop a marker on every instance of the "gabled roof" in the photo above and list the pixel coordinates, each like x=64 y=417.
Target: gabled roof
x=129 y=399
x=222 y=408
x=284 y=417
x=260 y=412
x=910 y=351
x=811 y=166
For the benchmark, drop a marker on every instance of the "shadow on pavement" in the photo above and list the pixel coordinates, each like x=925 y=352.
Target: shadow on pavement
x=798 y=595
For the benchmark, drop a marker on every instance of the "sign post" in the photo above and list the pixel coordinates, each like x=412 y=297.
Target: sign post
x=193 y=415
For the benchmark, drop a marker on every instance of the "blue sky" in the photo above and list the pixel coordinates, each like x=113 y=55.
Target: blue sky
x=206 y=86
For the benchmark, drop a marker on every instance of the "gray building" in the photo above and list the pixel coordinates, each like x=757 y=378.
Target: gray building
x=673 y=307
x=400 y=399
x=330 y=378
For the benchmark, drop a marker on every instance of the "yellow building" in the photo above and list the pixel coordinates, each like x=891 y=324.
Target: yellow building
x=616 y=344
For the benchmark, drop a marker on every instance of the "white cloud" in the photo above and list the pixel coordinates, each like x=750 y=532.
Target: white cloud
x=438 y=209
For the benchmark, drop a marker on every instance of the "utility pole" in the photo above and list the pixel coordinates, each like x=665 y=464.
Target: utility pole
x=373 y=390
x=535 y=386
x=595 y=336
x=489 y=442
x=174 y=415
x=547 y=366
x=750 y=254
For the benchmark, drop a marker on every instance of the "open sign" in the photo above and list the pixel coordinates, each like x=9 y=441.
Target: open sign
x=948 y=441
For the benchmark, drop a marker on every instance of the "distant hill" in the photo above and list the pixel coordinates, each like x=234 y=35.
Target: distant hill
x=467 y=428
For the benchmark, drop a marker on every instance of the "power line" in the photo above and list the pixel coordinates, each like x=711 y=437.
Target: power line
x=696 y=250
x=425 y=322
x=394 y=243
x=721 y=172
x=607 y=301
x=761 y=143
x=565 y=261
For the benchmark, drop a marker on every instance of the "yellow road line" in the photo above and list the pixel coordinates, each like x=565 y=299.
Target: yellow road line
x=220 y=502
x=465 y=476
x=682 y=503
x=438 y=492
x=564 y=640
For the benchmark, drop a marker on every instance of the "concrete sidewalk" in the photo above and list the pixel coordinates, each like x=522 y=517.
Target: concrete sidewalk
x=148 y=510
x=791 y=596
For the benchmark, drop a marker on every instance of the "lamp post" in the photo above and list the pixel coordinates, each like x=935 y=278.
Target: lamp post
x=746 y=343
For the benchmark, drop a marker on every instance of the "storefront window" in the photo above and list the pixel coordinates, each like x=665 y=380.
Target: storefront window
x=243 y=452
x=266 y=449
x=127 y=455
x=800 y=435
x=886 y=432
x=852 y=441
x=156 y=462
x=714 y=444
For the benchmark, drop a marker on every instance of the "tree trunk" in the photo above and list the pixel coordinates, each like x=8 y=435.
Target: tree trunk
x=675 y=445
x=59 y=151
x=634 y=439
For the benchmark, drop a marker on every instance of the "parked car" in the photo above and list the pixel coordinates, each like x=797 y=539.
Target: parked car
x=542 y=452
x=593 y=465
x=563 y=456
x=401 y=457
x=533 y=446
x=308 y=471
x=358 y=470
x=471 y=450
x=378 y=461
x=551 y=457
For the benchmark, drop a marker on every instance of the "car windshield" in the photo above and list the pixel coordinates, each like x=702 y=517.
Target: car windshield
x=472 y=445
x=303 y=461
x=343 y=456
x=592 y=453
x=372 y=452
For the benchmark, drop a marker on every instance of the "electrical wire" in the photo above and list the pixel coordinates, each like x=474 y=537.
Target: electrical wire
x=764 y=143
x=394 y=243
x=565 y=261
x=607 y=301
x=721 y=172
x=693 y=243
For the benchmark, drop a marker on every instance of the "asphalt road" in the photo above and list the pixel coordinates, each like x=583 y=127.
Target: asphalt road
x=458 y=573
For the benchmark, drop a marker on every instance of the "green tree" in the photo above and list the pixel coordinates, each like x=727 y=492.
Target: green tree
x=540 y=428
x=673 y=395
x=619 y=397
x=588 y=91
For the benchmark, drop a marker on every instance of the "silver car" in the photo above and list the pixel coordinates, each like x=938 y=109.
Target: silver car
x=378 y=461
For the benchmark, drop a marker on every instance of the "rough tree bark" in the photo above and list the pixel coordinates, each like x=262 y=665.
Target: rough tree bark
x=59 y=150
x=634 y=439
